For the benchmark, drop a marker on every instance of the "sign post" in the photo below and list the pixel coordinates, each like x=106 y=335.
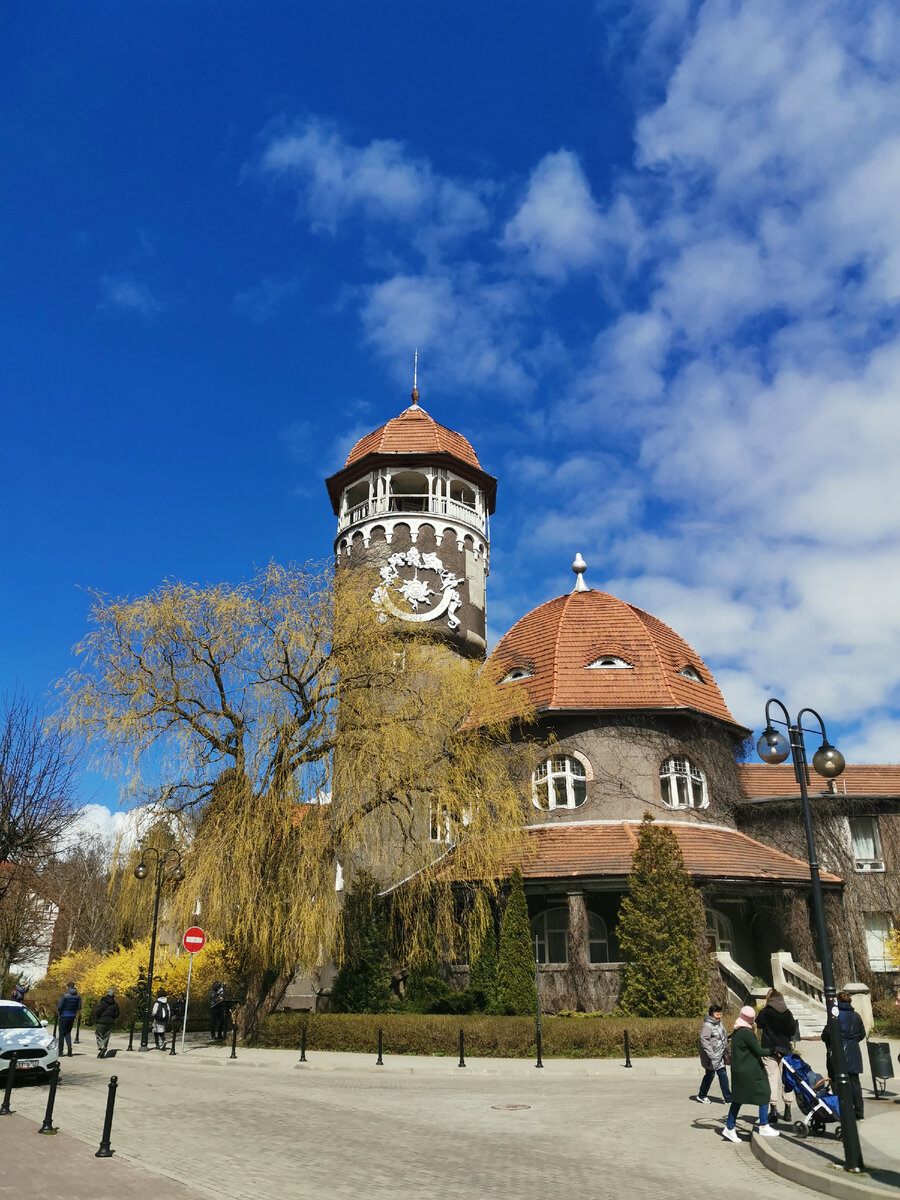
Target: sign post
x=194 y=940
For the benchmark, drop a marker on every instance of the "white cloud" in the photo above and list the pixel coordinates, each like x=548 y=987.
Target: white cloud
x=379 y=181
x=127 y=295
x=95 y=820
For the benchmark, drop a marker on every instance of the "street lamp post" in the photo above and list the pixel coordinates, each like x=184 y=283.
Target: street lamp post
x=773 y=747
x=141 y=871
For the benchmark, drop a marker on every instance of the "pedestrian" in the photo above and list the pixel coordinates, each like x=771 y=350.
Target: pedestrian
x=218 y=1011
x=160 y=1014
x=778 y=1030
x=20 y=991
x=749 y=1083
x=852 y=1033
x=105 y=1016
x=713 y=1055
x=68 y=1008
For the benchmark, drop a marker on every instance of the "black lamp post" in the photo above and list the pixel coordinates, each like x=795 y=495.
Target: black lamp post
x=141 y=871
x=773 y=747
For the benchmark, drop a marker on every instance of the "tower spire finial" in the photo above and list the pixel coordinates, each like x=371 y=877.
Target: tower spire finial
x=579 y=566
x=414 y=394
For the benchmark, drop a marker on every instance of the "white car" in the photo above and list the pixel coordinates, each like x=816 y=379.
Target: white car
x=23 y=1034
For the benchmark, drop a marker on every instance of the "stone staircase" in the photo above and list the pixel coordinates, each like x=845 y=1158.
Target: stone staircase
x=803 y=991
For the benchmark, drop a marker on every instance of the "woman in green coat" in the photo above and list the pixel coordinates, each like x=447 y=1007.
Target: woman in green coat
x=749 y=1083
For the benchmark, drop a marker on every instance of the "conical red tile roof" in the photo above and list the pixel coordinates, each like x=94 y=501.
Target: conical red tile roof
x=413 y=432
x=558 y=641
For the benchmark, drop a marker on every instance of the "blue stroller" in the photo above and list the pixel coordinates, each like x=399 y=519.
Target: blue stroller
x=816 y=1101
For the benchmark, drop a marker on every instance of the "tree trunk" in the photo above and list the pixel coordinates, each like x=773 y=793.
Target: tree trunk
x=264 y=993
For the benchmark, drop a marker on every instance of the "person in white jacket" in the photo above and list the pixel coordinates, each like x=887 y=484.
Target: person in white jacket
x=713 y=1053
x=159 y=1014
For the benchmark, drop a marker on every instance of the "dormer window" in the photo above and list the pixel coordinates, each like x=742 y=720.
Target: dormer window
x=516 y=673
x=609 y=662
x=691 y=673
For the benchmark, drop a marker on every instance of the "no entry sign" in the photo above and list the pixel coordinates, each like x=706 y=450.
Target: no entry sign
x=194 y=939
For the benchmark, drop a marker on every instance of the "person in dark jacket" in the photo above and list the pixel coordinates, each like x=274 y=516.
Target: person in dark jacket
x=105 y=1016
x=68 y=1008
x=749 y=1084
x=713 y=1055
x=218 y=1011
x=852 y=1033
x=778 y=1029
x=20 y=991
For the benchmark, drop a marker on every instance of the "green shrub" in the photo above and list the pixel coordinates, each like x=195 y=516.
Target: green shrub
x=660 y=931
x=483 y=951
x=485 y=1036
x=363 y=984
x=887 y=1018
x=516 y=989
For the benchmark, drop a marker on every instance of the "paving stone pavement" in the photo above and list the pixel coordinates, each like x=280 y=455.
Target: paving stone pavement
x=341 y=1127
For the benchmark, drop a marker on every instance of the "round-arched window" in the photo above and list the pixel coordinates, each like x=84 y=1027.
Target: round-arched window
x=559 y=782
x=683 y=785
x=598 y=939
x=719 y=934
x=550 y=933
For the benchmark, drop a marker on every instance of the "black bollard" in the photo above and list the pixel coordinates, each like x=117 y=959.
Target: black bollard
x=462 y=1049
x=47 y=1126
x=627 y=1050
x=5 y=1110
x=540 y=1061
x=131 y=1037
x=78 y=1030
x=233 y=1042
x=105 y=1151
x=303 y=1044
x=172 y=1051
x=379 y=1062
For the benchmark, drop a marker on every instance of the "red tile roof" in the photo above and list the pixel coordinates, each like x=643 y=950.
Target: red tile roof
x=557 y=641
x=413 y=432
x=571 y=850
x=759 y=779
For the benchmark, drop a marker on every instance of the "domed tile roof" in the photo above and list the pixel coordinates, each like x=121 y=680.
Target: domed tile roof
x=591 y=651
x=413 y=432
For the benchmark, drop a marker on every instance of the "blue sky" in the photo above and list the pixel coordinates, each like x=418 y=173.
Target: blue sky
x=650 y=255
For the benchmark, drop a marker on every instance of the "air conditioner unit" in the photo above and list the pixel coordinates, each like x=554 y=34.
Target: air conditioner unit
x=871 y=864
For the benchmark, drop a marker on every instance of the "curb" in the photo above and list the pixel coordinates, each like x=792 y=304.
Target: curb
x=831 y=1182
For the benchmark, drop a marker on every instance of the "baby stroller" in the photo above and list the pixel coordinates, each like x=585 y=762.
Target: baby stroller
x=815 y=1099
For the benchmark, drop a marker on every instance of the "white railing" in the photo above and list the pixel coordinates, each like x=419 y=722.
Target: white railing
x=789 y=976
x=742 y=989
x=438 y=505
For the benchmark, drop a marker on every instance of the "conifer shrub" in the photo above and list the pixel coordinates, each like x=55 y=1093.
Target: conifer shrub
x=516 y=990
x=660 y=931
x=363 y=984
x=483 y=952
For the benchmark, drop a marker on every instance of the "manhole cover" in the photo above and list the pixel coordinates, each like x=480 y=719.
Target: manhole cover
x=511 y=1107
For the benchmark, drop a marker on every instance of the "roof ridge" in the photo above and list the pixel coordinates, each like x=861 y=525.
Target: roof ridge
x=565 y=605
x=629 y=833
x=640 y=614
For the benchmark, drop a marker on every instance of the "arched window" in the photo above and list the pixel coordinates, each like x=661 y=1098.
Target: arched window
x=690 y=672
x=559 y=782
x=719 y=934
x=598 y=939
x=683 y=785
x=516 y=673
x=550 y=931
x=609 y=662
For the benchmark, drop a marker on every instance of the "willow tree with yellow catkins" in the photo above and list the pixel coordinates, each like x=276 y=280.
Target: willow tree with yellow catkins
x=244 y=708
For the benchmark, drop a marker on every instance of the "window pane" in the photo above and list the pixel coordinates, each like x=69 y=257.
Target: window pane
x=681 y=784
x=560 y=798
x=579 y=789
x=878 y=929
x=557 y=946
x=541 y=771
x=576 y=768
x=540 y=792
x=598 y=942
x=863 y=833
x=666 y=784
x=558 y=920
x=559 y=764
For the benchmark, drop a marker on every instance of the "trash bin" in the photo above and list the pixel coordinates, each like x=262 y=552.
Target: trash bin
x=880 y=1065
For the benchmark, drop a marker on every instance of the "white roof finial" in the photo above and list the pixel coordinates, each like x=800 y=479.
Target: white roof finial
x=414 y=394
x=579 y=566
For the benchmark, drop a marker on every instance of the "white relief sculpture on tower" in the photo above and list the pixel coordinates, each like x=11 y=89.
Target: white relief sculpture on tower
x=418 y=592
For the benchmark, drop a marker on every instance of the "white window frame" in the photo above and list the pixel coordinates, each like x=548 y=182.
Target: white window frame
x=863 y=862
x=569 y=769
x=598 y=935
x=517 y=673
x=878 y=927
x=540 y=935
x=440 y=827
x=689 y=671
x=693 y=792
x=609 y=662
x=719 y=931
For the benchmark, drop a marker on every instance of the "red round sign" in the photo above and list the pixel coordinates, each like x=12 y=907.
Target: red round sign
x=194 y=939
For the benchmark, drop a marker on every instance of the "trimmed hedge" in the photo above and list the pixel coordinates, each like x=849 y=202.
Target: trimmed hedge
x=486 y=1037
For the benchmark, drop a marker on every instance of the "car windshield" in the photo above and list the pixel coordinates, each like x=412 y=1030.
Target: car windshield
x=18 y=1018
